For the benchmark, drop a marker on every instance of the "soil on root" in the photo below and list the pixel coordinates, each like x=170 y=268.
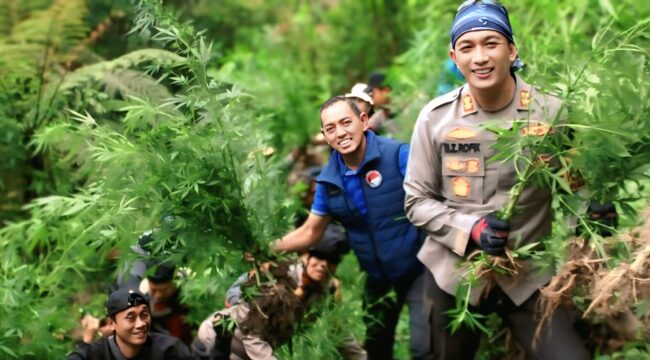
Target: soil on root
x=611 y=293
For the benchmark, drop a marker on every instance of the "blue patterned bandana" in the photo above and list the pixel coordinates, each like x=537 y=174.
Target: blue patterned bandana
x=479 y=15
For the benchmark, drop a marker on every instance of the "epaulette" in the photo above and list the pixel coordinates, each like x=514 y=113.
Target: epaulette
x=443 y=99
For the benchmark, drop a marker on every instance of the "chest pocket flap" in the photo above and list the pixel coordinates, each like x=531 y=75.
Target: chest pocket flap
x=463 y=177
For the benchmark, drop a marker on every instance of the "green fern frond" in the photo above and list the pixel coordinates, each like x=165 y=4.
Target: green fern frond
x=130 y=83
x=20 y=58
x=62 y=25
x=34 y=31
x=119 y=77
x=22 y=8
x=13 y=11
x=6 y=18
x=129 y=61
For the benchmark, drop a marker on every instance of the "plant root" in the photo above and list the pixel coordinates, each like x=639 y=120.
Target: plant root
x=506 y=265
x=611 y=293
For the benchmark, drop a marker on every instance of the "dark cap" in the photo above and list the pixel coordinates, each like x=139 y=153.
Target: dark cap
x=377 y=80
x=163 y=271
x=144 y=242
x=332 y=246
x=123 y=299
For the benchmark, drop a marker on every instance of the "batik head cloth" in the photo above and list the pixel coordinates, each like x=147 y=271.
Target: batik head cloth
x=481 y=15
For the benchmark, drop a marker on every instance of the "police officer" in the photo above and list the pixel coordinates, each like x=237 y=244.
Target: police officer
x=361 y=187
x=453 y=190
x=131 y=339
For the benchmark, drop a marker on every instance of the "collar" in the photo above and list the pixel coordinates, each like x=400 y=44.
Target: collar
x=523 y=93
x=115 y=350
x=117 y=353
x=372 y=153
x=336 y=167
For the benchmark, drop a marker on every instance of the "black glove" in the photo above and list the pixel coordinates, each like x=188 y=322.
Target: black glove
x=491 y=234
x=605 y=215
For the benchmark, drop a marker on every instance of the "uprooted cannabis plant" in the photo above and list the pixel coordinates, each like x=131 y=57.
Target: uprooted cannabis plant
x=190 y=153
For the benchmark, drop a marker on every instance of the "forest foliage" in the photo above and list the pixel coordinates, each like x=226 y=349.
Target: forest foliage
x=115 y=114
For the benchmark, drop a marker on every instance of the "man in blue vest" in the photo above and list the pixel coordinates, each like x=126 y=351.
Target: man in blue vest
x=361 y=187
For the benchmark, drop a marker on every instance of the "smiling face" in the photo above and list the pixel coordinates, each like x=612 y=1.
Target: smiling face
x=344 y=129
x=317 y=269
x=132 y=325
x=484 y=58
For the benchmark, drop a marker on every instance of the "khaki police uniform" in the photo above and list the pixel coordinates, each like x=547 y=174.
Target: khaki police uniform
x=241 y=347
x=450 y=184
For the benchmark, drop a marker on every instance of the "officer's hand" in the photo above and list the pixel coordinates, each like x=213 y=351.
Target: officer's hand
x=605 y=215
x=491 y=234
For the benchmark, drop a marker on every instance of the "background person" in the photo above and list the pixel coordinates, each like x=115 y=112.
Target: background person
x=131 y=339
x=381 y=121
x=168 y=314
x=363 y=99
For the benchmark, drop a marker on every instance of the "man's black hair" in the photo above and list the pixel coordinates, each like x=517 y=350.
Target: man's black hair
x=377 y=80
x=334 y=99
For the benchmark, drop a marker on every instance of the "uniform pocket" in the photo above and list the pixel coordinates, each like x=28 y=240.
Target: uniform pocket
x=463 y=177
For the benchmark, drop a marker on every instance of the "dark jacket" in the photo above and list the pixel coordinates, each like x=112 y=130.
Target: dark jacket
x=157 y=347
x=385 y=242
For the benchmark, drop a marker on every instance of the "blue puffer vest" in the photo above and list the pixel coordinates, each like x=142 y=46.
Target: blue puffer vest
x=385 y=242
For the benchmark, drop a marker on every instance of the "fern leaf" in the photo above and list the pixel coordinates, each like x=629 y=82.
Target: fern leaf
x=97 y=71
x=118 y=76
x=130 y=83
x=61 y=26
x=12 y=11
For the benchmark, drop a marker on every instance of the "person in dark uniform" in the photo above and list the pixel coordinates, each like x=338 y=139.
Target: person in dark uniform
x=131 y=339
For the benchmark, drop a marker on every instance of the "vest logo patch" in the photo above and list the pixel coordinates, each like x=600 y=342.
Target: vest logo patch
x=373 y=178
x=461 y=186
x=536 y=129
x=468 y=104
x=462 y=148
x=470 y=166
x=524 y=98
x=461 y=133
